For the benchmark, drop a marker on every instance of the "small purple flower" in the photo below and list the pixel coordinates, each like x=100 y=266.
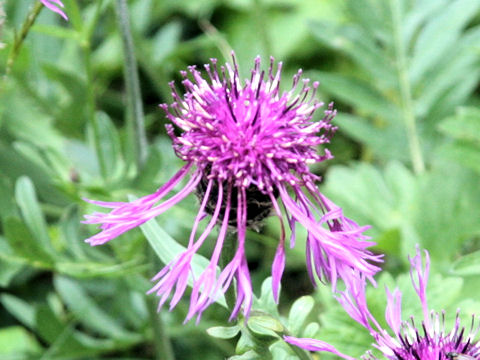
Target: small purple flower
x=247 y=149
x=429 y=341
x=55 y=5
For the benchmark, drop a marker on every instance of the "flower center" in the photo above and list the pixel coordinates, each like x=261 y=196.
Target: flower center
x=259 y=205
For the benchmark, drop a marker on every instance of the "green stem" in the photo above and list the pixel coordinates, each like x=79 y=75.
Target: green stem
x=134 y=97
x=161 y=341
x=405 y=90
x=228 y=252
x=19 y=39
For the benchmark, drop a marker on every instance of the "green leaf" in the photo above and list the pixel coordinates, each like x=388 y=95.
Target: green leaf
x=454 y=78
x=357 y=93
x=245 y=343
x=70 y=229
x=110 y=149
x=464 y=125
x=8 y=271
x=55 y=332
x=92 y=269
x=387 y=141
x=282 y=351
x=47 y=324
x=88 y=312
x=24 y=244
x=391 y=193
x=249 y=355
x=440 y=33
x=224 y=332
x=16 y=340
x=36 y=154
x=155 y=161
x=165 y=41
x=83 y=159
x=22 y=166
x=167 y=249
x=467 y=265
x=311 y=330
x=465 y=153
x=7 y=205
x=447 y=210
x=20 y=309
x=299 y=312
x=30 y=209
x=438 y=298
x=420 y=208
x=265 y=325
x=71 y=116
x=56 y=31
x=419 y=14
x=354 y=42
x=266 y=302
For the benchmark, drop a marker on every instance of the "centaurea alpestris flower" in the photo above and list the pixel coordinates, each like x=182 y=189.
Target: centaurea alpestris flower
x=247 y=149
x=429 y=341
x=55 y=6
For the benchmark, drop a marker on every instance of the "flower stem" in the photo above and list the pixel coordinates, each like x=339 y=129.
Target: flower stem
x=405 y=91
x=161 y=341
x=19 y=39
x=134 y=97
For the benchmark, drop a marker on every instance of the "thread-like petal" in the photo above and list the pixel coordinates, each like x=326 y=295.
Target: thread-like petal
x=55 y=6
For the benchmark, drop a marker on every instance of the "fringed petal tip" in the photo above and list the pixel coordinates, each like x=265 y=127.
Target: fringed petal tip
x=278 y=267
x=124 y=216
x=315 y=345
x=206 y=289
x=55 y=8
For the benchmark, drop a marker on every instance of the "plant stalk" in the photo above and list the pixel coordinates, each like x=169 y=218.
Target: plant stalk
x=20 y=38
x=134 y=97
x=405 y=91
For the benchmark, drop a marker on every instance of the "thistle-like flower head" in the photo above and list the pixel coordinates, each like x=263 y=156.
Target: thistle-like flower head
x=425 y=340
x=250 y=135
x=247 y=148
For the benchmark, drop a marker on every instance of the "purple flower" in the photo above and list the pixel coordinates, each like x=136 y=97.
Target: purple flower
x=247 y=149
x=429 y=341
x=55 y=5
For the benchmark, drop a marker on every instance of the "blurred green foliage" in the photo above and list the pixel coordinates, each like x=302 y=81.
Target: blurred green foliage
x=404 y=75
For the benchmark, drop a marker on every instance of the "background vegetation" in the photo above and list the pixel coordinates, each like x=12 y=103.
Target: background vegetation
x=404 y=75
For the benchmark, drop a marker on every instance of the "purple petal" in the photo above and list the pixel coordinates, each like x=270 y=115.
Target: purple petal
x=54 y=8
x=315 y=345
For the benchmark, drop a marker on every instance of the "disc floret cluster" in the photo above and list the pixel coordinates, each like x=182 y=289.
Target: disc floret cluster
x=425 y=340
